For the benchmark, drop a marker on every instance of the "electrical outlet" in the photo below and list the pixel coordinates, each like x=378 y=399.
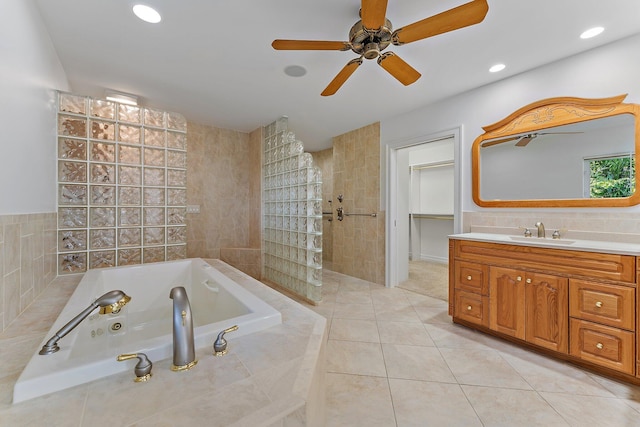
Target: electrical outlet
x=193 y=209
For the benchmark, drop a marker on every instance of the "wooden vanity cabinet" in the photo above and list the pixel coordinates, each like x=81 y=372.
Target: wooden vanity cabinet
x=529 y=306
x=579 y=305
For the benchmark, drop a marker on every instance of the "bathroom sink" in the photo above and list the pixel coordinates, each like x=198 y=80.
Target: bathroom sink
x=536 y=240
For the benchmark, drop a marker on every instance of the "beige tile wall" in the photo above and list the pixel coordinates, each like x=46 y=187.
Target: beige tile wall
x=27 y=261
x=605 y=225
x=223 y=177
x=359 y=241
x=324 y=160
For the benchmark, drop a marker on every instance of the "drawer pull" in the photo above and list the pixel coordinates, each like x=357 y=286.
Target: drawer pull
x=469 y=277
x=599 y=304
x=599 y=346
x=469 y=308
x=519 y=279
x=528 y=280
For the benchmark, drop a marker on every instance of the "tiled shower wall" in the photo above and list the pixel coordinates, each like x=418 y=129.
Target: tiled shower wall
x=359 y=241
x=27 y=261
x=292 y=214
x=121 y=184
x=324 y=160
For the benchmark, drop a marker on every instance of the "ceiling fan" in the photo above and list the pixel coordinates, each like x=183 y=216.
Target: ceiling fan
x=523 y=140
x=373 y=33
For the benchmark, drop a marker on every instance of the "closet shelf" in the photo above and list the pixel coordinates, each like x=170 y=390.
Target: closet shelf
x=431 y=216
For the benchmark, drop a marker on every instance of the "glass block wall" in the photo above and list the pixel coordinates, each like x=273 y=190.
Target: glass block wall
x=292 y=214
x=121 y=184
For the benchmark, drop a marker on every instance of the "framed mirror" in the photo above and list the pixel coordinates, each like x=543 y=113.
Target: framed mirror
x=560 y=152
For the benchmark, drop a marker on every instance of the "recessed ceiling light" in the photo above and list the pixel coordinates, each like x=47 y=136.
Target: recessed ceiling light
x=496 y=68
x=591 y=32
x=146 y=13
x=295 y=71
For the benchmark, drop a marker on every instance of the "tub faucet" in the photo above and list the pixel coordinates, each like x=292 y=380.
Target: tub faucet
x=541 y=232
x=184 y=355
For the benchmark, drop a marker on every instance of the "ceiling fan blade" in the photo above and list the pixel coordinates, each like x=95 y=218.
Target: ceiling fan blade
x=525 y=140
x=556 y=133
x=342 y=77
x=459 y=17
x=309 y=45
x=498 y=141
x=399 y=69
x=373 y=13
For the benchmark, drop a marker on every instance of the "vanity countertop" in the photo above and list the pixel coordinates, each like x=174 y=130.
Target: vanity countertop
x=612 y=247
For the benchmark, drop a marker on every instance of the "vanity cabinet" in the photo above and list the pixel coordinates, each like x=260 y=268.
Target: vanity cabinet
x=529 y=306
x=578 y=305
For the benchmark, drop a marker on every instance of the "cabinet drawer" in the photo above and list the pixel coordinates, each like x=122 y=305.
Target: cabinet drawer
x=472 y=307
x=607 y=304
x=471 y=277
x=602 y=345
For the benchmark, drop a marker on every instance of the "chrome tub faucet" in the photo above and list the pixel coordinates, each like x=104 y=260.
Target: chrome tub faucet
x=541 y=232
x=184 y=355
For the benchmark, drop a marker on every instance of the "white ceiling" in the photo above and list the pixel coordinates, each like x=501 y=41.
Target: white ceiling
x=212 y=60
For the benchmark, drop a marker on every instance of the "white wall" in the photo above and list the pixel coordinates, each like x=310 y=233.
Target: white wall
x=603 y=72
x=550 y=166
x=29 y=72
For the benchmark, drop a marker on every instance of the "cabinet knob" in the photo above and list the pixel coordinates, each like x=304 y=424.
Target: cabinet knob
x=519 y=279
x=469 y=308
x=469 y=277
x=599 y=346
x=599 y=304
x=528 y=280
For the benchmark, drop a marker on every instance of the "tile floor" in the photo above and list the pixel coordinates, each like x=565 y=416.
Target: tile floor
x=395 y=359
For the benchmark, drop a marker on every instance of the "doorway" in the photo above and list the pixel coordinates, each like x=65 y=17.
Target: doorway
x=423 y=209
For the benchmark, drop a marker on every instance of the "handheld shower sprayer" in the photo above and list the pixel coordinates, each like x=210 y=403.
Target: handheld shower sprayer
x=111 y=302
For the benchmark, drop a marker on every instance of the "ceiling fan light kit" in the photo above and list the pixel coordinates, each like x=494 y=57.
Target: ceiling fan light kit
x=373 y=33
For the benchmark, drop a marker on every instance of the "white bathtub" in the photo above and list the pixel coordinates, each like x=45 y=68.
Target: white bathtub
x=144 y=325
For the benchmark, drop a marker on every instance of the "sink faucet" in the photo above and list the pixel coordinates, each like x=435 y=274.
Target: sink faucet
x=541 y=232
x=184 y=355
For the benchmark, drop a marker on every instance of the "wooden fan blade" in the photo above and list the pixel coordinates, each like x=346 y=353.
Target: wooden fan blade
x=525 y=140
x=309 y=45
x=373 y=13
x=498 y=141
x=399 y=69
x=459 y=17
x=342 y=77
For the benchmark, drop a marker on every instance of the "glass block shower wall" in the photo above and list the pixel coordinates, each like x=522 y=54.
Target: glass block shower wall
x=121 y=184
x=292 y=214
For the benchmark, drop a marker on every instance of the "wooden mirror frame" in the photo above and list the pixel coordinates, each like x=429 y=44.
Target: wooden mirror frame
x=549 y=113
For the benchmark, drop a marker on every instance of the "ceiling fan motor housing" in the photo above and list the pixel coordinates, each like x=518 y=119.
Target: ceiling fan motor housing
x=369 y=43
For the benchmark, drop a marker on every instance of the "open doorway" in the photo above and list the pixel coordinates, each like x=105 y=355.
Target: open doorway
x=423 y=206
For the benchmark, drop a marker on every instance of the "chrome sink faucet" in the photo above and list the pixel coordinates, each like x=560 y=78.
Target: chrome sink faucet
x=184 y=355
x=541 y=232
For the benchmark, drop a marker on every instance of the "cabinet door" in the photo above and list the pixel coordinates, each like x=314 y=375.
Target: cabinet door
x=547 y=311
x=506 y=301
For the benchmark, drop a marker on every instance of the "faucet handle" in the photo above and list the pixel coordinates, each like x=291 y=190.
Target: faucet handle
x=143 y=367
x=220 y=345
x=527 y=232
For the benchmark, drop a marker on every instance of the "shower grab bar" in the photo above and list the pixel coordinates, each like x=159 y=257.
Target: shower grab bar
x=373 y=215
x=327 y=213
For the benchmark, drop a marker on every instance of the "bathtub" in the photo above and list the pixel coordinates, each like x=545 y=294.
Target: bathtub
x=144 y=325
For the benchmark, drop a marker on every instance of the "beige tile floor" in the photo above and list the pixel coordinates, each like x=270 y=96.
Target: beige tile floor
x=395 y=359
